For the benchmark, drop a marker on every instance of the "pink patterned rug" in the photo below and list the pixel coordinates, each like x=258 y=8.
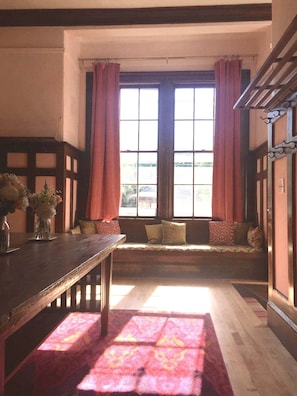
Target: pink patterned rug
x=145 y=353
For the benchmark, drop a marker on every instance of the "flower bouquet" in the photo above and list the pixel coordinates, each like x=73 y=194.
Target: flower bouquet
x=13 y=195
x=44 y=206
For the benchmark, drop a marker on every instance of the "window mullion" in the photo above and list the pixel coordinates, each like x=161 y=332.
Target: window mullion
x=165 y=179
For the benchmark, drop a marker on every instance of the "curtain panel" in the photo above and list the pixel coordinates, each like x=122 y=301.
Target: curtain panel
x=104 y=186
x=227 y=202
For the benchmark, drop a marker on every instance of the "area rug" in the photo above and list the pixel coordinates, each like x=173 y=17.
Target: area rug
x=144 y=354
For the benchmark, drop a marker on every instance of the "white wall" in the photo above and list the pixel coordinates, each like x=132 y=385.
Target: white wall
x=72 y=133
x=283 y=12
x=258 y=127
x=31 y=81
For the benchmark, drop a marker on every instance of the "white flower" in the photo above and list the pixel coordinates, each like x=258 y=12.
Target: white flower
x=44 y=202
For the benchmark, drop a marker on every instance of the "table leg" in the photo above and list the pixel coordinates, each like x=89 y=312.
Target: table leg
x=106 y=278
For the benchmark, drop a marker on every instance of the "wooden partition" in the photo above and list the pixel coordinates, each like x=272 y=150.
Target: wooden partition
x=257 y=187
x=36 y=161
x=282 y=222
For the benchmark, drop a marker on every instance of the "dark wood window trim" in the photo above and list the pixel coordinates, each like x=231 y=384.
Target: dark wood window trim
x=136 y=16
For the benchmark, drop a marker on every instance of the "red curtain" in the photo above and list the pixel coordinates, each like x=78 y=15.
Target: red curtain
x=104 y=187
x=227 y=202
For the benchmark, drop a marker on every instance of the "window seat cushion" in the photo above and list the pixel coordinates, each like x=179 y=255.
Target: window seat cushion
x=189 y=248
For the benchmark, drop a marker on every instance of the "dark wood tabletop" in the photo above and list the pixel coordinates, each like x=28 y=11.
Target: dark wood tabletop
x=38 y=272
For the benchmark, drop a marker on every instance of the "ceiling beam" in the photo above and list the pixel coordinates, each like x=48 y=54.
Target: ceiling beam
x=135 y=16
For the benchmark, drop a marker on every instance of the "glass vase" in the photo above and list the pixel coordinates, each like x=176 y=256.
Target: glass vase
x=4 y=234
x=42 y=228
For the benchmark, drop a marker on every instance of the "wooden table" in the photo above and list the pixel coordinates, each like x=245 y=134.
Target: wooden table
x=39 y=272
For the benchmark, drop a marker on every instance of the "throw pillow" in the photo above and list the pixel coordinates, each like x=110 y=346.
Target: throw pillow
x=87 y=226
x=75 y=231
x=154 y=233
x=240 y=232
x=173 y=233
x=108 y=227
x=255 y=237
x=221 y=233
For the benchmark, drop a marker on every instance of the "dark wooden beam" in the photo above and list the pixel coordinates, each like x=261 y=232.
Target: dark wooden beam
x=135 y=16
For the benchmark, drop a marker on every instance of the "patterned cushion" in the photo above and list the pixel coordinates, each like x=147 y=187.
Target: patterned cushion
x=108 y=227
x=255 y=237
x=154 y=233
x=173 y=233
x=221 y=233
x=240 y=232
x=87 y=226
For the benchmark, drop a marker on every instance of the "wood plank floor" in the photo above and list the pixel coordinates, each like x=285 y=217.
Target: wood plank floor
x=256 y=361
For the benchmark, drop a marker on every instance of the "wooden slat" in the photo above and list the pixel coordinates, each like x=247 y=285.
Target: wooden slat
x=280 y=69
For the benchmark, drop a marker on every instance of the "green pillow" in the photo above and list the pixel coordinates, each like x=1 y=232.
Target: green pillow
x=154 y=233
x=173 y=233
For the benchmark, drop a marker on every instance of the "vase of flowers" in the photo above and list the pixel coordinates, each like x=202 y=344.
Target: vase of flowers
x=13 y=195
x=44 y=206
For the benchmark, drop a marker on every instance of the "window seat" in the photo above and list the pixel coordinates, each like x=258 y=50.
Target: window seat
x=197 y=260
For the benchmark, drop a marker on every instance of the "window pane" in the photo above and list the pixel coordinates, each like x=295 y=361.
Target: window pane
x=204 y=99
x=148 y=135
x=203 y=168
x=149 y=104
x=147 y=168
x=128 y=168
x=147 y=200
x=184 y=103
x=129 y=135
x=183 y=200
x=202 y=201
x=183 y=168
x=204 y=135
x=128 y=202
x=129 y=103
x=183 y=135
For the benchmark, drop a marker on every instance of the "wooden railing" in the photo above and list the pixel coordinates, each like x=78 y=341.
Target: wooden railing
x=275 y=85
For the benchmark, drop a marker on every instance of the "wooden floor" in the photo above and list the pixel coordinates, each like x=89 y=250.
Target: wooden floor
x=256 y=361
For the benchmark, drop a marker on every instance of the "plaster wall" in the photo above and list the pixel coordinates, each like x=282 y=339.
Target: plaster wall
x=258 y=127
x=283 y=12
x=31 y=80
x=72 y=133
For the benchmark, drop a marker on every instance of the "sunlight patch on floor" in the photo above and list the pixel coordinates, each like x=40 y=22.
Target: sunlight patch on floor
x=162 y=298
x=179 y=299
x=118 y=292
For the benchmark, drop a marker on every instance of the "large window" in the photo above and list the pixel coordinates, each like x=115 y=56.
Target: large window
x=166 y=135
x=139 y=117
x=193 y=147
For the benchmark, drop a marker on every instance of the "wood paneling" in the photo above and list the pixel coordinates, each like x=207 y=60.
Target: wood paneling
x=39 y=160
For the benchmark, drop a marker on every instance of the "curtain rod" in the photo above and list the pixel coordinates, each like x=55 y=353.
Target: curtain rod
x=165 y=58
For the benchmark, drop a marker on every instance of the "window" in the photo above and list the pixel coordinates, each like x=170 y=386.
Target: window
x=193 y=156
x=139 y=150
x=166 y=140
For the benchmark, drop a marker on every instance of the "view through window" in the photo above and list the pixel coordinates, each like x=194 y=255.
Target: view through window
x=166 y=141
